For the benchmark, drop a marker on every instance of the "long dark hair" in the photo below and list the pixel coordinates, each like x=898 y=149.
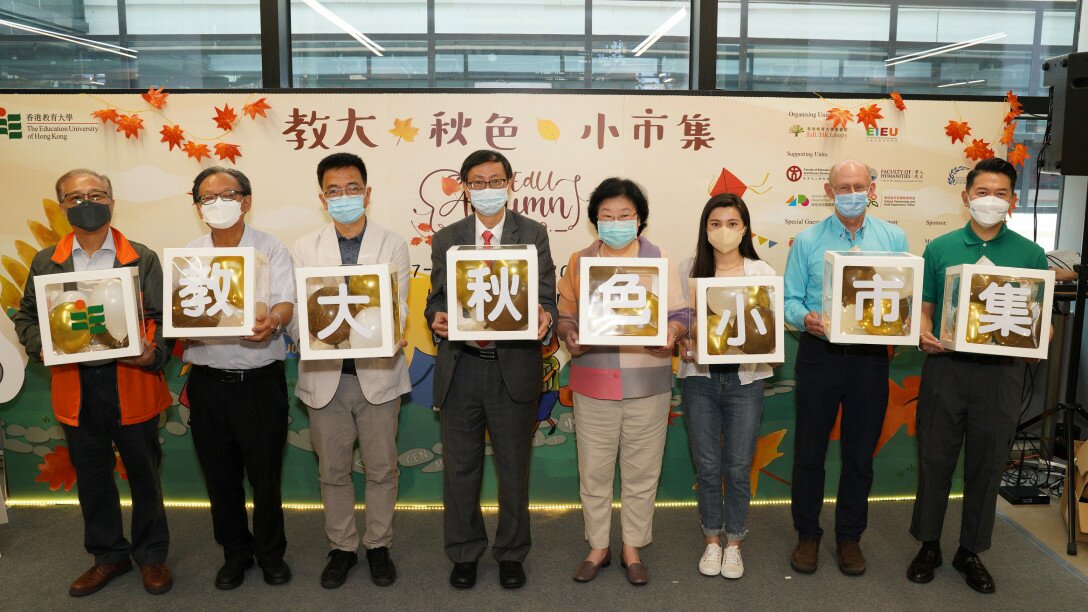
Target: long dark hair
x=704 y=252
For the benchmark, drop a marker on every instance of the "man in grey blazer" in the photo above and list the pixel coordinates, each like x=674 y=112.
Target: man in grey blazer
x=354 y=399
x=488 y=386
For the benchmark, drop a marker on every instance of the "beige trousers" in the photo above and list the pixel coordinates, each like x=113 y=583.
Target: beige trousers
x=334 y=430
x=635 y=428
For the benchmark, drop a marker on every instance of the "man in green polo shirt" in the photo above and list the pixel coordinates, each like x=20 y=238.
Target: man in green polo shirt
x=966 y=396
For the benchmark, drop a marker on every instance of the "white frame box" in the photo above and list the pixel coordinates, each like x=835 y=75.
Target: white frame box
x=776 y=327
x=589 y=333
x=389 y=315
x=463 y=321
x=835 y=262
x=956 y=311
x=255 y=292
x=47 y=296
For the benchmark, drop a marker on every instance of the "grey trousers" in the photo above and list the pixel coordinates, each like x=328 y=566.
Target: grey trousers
x=334 y=430
x=478 y=401
x=973 y=404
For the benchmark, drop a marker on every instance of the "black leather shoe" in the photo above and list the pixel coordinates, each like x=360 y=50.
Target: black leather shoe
x=336 y=570
x=974 y=572
x=231 y=575
x=463 y=575
x=511 y=574
x=382 y=570
x=921 y=568
x=276 y=572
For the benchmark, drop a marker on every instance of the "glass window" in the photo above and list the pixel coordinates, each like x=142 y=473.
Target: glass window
x=74 y=57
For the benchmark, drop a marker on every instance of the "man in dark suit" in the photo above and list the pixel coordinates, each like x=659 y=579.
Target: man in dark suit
x=492 y=386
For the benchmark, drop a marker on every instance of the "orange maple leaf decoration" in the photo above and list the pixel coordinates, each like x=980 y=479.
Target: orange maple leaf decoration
x=1007 y=134
x=119 y=467
x=979 y=149
x=256 y=108
x=1018 y=155
x=403 y=130
x=867 y=115
x=450 y=185
x=195 y=150
x=225 y=117
x=172 y=135
x=227 y=151
x=898 y=99
x=957 y=130
x=840 y=117
x=57 y=470
x=106 y=114
x=901 y=410
x=155 y=97
x=766 y=452
x=130 y=125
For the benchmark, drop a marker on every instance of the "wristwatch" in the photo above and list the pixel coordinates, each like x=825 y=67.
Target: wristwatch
x=279 y=322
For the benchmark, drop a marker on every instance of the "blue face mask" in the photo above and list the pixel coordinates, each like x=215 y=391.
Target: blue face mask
x=488 y=201
x=851 y=205
x=617 y=234
x=347 y=209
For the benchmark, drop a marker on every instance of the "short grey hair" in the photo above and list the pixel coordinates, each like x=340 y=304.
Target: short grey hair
x=243 y=180
x=82 y=172
x=848 y=162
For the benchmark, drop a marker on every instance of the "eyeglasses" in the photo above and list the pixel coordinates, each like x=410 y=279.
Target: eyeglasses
x=493 y=183
x=230 y=195
x=336 y=192
x=98 y=197
x=845 y=189
x=624 y=216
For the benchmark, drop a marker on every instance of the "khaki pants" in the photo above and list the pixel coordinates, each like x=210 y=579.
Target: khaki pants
x=636 y=429
x=334 y=430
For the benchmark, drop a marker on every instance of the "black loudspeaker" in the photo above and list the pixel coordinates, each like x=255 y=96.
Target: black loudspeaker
x=1065 y=151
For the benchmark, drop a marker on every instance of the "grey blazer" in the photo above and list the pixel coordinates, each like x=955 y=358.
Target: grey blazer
x=520 y=361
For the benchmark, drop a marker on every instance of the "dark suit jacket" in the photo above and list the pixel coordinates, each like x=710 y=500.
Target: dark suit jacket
x=520 y=361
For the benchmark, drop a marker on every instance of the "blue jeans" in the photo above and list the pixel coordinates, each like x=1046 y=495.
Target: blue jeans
x=723 y=425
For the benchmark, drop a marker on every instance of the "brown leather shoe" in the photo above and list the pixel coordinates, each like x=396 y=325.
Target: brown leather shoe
x=806 y=556
x=157 y=578
x=636 y=573
x=588 y=570
x=851 y=561
x=97 y=577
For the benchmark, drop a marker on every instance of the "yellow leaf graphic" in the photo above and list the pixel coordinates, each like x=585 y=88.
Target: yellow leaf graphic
x=57 y=219
x=548 y=129
x=16 y=270
x=45 y=236
x=9 y=295
x=766 y=452
x=402 y=128
x=26 y=252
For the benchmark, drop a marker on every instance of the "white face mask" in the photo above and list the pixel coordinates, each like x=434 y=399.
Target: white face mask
x=725 y=239
x=221 y=213
x=988 y=211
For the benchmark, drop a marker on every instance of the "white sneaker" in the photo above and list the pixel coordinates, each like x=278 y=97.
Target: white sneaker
x=733 y=565
x=711 y=563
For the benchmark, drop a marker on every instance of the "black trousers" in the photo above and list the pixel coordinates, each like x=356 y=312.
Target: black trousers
x=829 y=375
x=478 y=401
x=971 y=402
x=239 y=430
x=90 y=447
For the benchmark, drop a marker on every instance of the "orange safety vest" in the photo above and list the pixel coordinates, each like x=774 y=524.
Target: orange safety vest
x=142 y=394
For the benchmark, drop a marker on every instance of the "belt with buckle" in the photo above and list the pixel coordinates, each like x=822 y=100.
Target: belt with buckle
x=849 y=349
x=236 y=376
x=982 y=358
x=487 y=354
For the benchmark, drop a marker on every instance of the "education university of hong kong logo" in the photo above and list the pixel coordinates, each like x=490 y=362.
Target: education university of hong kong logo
x=89 y=318
x=11 y=125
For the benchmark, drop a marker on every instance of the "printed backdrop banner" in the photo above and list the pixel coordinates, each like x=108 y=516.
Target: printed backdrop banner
x=773 y=152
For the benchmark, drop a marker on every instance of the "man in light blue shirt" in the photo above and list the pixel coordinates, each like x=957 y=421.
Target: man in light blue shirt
x=854 y=377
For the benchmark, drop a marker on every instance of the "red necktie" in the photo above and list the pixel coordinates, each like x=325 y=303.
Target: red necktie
x=487 y=236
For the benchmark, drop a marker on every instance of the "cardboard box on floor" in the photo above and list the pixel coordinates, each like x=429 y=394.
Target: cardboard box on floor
x=1081 y=489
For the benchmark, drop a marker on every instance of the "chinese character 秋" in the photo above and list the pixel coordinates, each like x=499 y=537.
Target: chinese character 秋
x=457 y=124
x=502 y=286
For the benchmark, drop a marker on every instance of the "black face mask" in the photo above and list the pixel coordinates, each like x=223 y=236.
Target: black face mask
x=89 y=216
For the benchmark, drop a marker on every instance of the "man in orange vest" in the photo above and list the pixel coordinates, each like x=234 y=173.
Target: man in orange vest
x=105 y=403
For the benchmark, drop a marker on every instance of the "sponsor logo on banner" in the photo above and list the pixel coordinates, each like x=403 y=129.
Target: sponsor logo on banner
x=901 y=175
x=796 y=130
x=882 y=134
x=897 y=200
x=797 y=200
x=873 y=201
x=825 y=132
x=958 y=175
x=11 y=125
x=794 y=173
